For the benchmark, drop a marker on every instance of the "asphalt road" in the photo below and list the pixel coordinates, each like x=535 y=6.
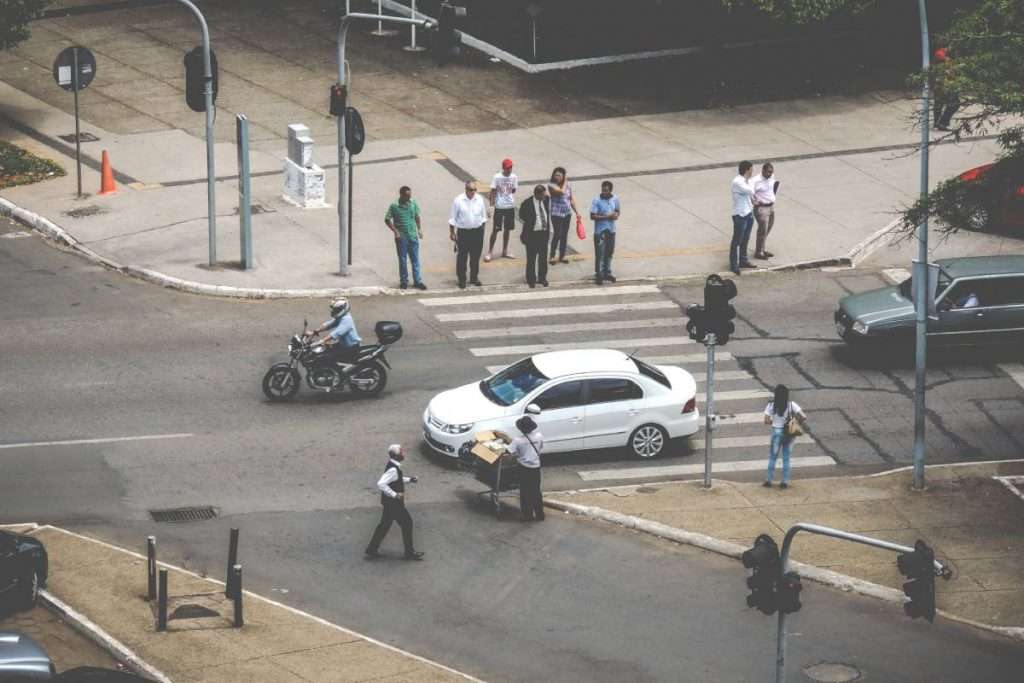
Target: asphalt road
x=91 y=355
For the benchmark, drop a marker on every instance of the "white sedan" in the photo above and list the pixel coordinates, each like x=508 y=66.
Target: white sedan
x=588 y=399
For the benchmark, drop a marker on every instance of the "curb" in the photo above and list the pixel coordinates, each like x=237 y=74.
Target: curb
x=54 y=232
x=827 y=577
x=97 y=635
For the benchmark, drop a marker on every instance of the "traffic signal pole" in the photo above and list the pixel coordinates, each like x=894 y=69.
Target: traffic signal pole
x=920 y=274
x=343 y=211
x=709 y=409
x=780 y=651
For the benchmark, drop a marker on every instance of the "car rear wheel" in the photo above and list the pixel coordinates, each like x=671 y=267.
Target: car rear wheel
x=648 y=441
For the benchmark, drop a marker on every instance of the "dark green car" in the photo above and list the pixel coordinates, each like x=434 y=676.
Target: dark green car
x=979 y=299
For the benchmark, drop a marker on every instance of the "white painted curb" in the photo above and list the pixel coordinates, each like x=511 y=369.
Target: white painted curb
x=54 y=232
x=87 y=628
x=823 y=576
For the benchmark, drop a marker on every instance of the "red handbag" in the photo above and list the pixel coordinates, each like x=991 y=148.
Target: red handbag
x=581 y=232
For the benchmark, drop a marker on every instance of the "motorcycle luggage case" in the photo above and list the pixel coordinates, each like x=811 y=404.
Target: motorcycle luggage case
x=388 y=332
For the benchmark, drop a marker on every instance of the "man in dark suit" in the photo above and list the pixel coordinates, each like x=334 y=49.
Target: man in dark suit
x=535 y=215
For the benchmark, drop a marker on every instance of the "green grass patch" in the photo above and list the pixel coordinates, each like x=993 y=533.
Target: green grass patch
x=18 y=167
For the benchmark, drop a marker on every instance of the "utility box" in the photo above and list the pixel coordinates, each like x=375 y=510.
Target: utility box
x=305 y=183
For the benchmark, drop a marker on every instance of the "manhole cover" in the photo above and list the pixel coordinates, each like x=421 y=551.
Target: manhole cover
x=84 y=211
x=82 y=137
x=830 y=672
x=193 y=514
x=192 y=612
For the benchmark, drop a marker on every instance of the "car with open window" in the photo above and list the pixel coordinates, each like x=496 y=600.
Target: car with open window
x=978 y=300
x=588 y=399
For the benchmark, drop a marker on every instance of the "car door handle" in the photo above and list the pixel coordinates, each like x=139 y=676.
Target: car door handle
x=633 y=411
x=979 y=315
x=577 y=419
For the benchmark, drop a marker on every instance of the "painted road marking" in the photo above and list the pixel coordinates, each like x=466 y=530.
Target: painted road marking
x=537 y=296
x=729 y=419
x=567 y=328
x=762 y=440
x=529 y=349
x=557 y=311
x=685 y=359
x=740 y=395
x=112 y=439
x=895 y=275
x=698 y=468
x=1015 y=371
x=722 y=375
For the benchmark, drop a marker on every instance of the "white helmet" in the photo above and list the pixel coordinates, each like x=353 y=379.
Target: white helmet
x=340 y=307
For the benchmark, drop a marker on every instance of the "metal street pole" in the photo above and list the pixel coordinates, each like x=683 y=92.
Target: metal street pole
x=211 y=176
x=780 y=652
x=343 y=213
x=709 y=409
x=78 y=134
x=920 y=274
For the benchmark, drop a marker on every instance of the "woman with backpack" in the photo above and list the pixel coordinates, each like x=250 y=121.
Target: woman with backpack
x=527 y=448
x=786 y=419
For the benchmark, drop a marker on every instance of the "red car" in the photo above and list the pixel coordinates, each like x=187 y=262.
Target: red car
x=999 y=207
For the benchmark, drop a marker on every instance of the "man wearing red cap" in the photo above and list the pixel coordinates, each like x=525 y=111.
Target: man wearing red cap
x=503 y=199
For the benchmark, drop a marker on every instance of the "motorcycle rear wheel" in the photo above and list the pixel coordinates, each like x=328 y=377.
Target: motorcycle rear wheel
x=281 y=383
x=369 y=380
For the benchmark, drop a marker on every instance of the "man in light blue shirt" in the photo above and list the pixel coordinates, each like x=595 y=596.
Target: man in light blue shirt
x=605 y=209
x=342 y=340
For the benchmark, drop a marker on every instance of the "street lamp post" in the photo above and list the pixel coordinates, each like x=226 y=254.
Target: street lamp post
x=343 y=217
x=920 y=272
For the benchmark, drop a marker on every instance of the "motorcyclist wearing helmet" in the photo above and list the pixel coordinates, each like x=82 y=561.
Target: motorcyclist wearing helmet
x=341 y=340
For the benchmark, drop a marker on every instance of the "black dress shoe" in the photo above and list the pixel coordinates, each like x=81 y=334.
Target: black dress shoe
x=761 y=256
x=420 y=286
x=736 y=271
x=563 y=260
x=415 y=555
x=404 y=285
x=748 y=265
x=531 y=285
x=476 y=283
x=543 y=283
x=462 y=285
x=598 y=280
x=372 y=554
x=609 y=278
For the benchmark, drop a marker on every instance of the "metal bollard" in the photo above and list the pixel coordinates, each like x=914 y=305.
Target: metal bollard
x=229 y=582
x=151 y=568
x=161 y=613
x=237 y=573
x=412 y=46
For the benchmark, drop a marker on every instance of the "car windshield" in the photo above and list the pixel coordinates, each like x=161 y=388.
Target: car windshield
x=906 y=287
x=513 y=383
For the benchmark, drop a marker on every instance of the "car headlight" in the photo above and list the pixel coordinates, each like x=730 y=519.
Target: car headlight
x=859 y=327
x=457 y=429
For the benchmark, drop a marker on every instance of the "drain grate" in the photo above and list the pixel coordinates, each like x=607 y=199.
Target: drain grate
x=84 y=211
x=192 y=514
x=82 y=137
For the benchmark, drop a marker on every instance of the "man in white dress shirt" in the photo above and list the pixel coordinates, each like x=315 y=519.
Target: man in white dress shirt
x=766 y=185
x=392 y=496
x=742 y=217
x=466 y=228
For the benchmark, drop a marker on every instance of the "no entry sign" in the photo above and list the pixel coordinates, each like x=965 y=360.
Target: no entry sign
x=66 y=63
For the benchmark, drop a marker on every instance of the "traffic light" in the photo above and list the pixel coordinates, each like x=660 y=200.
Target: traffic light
x=763 y=558
x=194 y=97
x=788 y=593
x=338 y=97
x=919 y=567
x=697 y=327
x=719 y=312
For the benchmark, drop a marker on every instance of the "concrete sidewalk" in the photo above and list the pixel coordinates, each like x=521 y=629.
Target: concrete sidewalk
x=846 y=166
x=973 y=520
x=107 y=586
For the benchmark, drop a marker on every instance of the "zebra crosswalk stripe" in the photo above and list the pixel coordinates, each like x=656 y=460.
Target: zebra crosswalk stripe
x=698 y=468
x=559 y=311
x=539 y=296
x=567 y=328
x=739 y=395
x=529 y=349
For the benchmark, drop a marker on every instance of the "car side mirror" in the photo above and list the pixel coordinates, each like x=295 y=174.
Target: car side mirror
x=533 y=409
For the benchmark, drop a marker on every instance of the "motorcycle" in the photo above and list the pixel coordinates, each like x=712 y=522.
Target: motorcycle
x=366 y=376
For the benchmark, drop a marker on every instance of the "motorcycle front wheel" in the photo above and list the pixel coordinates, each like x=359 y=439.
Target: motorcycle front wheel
x=281 y=383
x=369 y=380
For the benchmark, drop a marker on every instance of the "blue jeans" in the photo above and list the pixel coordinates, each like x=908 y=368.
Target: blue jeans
x=411 y=249
x=741 y=226
x=779 y=441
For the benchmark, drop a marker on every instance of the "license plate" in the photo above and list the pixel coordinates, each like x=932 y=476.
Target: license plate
x=840 y=328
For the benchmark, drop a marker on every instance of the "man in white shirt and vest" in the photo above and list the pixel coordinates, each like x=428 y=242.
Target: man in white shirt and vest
x=466 y=227
x=766 y=186
x=392 y=497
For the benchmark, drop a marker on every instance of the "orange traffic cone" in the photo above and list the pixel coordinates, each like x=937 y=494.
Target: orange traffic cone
x=107 y=185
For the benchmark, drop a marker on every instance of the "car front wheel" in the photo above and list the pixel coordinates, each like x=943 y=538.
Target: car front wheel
x=648 y=441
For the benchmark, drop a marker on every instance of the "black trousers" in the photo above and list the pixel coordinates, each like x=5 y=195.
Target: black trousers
x=531 y=503
x=470 y=244
x=604 y=249
x=560 y=234
x=536 y=255
x=394 y=511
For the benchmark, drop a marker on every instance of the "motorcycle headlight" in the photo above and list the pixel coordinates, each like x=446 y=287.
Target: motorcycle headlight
x=859 y=327
x=457 y=429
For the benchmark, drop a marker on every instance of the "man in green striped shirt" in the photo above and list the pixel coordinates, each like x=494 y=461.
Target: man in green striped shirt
x=403 y=218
